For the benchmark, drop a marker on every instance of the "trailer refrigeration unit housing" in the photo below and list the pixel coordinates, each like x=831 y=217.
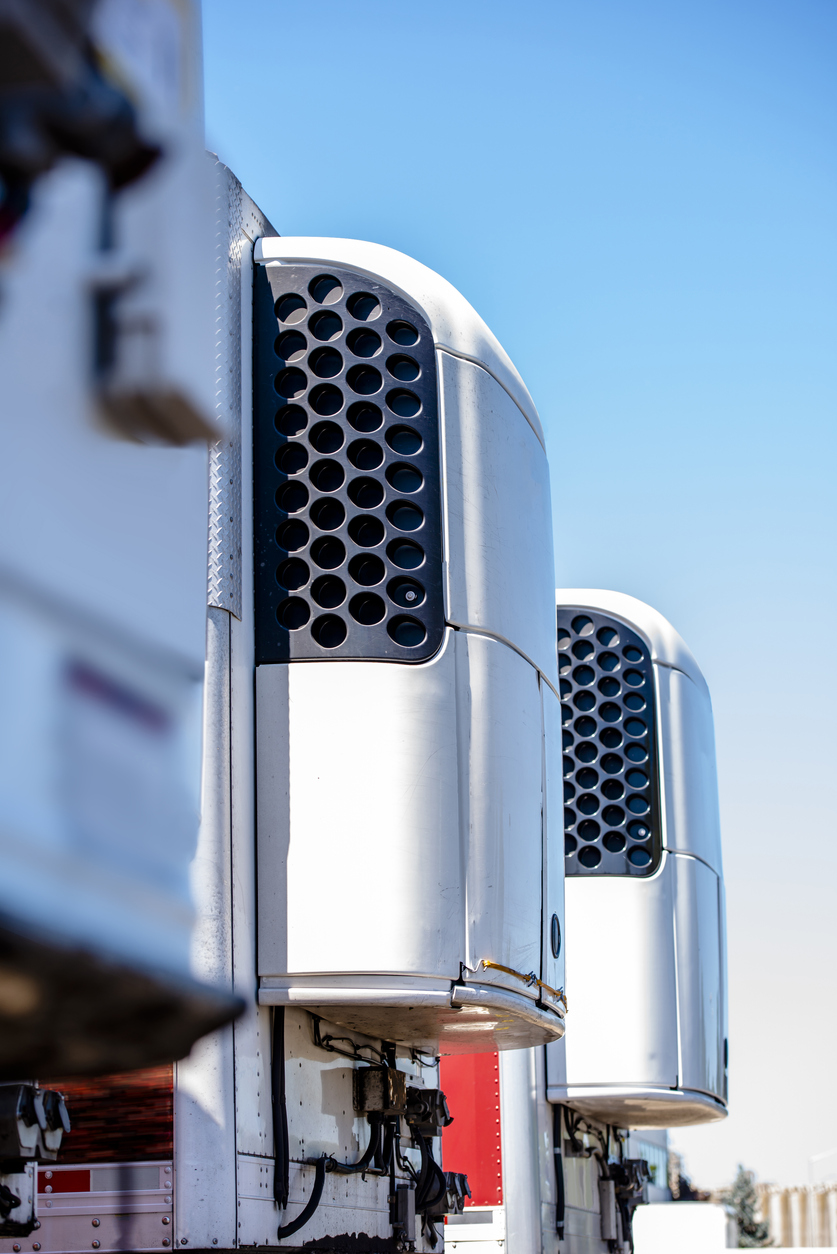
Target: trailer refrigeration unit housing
x=549 y=1135
x=374 y=875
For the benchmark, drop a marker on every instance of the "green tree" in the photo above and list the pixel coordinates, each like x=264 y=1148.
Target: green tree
x=742 y=1199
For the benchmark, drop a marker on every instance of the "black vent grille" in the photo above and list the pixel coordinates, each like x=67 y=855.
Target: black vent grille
x=347 y=495
x=611 y=791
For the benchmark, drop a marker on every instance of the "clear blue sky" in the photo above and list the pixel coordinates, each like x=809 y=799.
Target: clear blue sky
x=641 y=200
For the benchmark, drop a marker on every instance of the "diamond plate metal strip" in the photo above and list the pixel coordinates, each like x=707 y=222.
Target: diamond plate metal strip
x=237 y=224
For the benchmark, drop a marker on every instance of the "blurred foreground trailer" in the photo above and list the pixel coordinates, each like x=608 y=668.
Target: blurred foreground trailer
x=106 y=343
x=552 y=1139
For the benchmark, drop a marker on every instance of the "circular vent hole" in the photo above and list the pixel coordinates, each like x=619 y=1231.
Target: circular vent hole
x=404 y=368
x=326 y=437
x=403 y=333
x=405 y=554
x=326 y=400
x=291 y=419
x=366 y=569
x=366 y=493
x=292 y=535
x=328 y=591
x=325 y=325
x=325 y=289
x=366 y=530
x=407 y=593
x=293 y=574
x=586 y=752
x=328 y=552
x=404 y=441
x=367 y=608
x=290 y=308
x=292 y=497
x=365 y=380
x=291 y=458
x=406 y=631
x=326 y=363
x=405 y=404
x=365 y=454
x=327 y=475
x=329 y=631
x=293 y=613
x=404 y=478
x=363 y=306
x=364 y=416
x=405 y=515
x=364 y=342
x=290 y=346
x=290 y=383
x=328 y=515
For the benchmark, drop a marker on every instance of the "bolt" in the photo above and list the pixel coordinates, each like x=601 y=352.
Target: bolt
x=410 y=596
x=183 y=1241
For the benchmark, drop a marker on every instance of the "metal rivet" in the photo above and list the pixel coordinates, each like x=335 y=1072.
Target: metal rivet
x=166 y=1241
x=16 y=1248
x=184 y=1241
x=96 y=1223
x=36 y=1246
x=168 y=1171
x=48 y=1175
x=96 y=1245
x=166 y=1219
x=37 y=1223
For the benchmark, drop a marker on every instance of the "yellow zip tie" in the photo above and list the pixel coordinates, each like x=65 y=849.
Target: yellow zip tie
x=529 y=979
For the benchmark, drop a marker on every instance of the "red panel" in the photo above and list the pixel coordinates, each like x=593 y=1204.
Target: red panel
x=471 y=1083
x=52 y=1181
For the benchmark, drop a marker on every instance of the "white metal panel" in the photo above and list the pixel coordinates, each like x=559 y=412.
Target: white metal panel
x=698 y=940
x=690 y=784
x=521 y=1160
x=498 y=516
x=554 y=839
x=622 y=1024
x=501 y=753
x=204 y=1087
x=363 y=858
x=455 y=324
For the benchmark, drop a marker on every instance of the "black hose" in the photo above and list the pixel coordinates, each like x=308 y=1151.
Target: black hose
x=281 y=1149
x=560 y=1196
x=287 y=1230
x=371 y=1151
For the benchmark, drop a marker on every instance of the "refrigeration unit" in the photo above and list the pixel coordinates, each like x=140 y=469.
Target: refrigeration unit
x=379 y=873
x=548 y=1136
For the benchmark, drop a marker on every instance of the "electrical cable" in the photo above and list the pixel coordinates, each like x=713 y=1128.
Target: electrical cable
x=362 y=1164
x=281 y=1149
x=287 y=1230
x=560 y=1195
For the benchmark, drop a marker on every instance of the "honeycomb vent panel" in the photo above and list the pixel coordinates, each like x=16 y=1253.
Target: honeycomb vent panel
x=347 y=493
x=611 y=788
